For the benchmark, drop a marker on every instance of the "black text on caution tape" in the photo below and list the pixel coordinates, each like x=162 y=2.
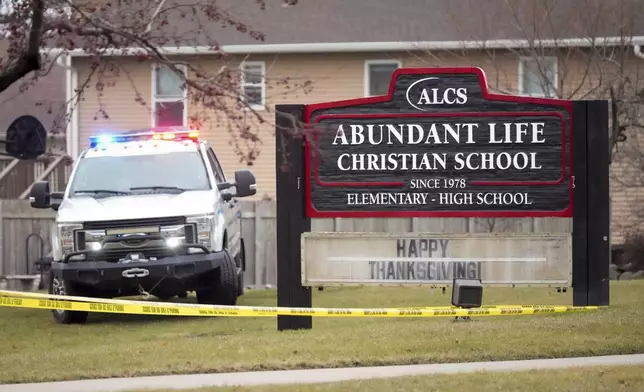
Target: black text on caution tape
x=96 y=307
x=160 y=310
x=10 y=301
x=63 y=305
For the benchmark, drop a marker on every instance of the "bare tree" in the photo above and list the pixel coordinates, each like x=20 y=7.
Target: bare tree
x=580 y=50
x=591 y=60
x=40 y=32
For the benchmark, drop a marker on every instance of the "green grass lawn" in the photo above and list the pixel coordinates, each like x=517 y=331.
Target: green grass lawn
x=591 y=379
x=34 y=348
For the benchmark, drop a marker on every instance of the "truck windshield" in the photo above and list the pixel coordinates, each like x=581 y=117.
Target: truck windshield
x=120 y=175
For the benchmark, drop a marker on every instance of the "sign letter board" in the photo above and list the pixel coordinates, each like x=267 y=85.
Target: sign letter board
x=439 y=145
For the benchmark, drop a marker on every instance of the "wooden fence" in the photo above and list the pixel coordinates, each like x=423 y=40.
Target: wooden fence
x=19 y=247
x=16 y=176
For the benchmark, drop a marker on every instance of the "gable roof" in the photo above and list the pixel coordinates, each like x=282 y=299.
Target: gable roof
x=326 y=21
x=320 y=25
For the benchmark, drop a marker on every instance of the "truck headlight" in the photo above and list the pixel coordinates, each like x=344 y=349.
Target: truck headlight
x=204 y=224
x=174 y=235
x=65 y=232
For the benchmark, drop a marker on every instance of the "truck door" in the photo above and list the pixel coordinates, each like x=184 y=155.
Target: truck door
x=232 y=209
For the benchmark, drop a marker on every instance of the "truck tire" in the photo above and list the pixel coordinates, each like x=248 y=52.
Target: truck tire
x=59 y=286
x=224 y=290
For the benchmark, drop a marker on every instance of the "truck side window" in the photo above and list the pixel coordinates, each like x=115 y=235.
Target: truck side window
x=219 y=174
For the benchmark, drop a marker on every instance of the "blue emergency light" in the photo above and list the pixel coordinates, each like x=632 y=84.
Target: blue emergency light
x=168 y=134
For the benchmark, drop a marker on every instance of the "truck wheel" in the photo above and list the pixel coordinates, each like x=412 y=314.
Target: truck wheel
x=58 y=286
x=224 y=291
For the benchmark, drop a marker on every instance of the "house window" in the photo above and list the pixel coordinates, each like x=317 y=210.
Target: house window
x=253 y=84
x=538 y=76
x=170 y=95
x=378 y=76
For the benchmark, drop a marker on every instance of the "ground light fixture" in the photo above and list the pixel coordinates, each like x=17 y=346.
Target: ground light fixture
x=467 y=293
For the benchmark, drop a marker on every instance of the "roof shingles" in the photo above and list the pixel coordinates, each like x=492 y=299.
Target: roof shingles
x=332 y=21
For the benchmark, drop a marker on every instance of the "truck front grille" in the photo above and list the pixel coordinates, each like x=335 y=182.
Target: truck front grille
x=154 y=246
x=166 y=221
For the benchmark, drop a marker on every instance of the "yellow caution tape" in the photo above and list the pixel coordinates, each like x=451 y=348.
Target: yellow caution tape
x=49 y=301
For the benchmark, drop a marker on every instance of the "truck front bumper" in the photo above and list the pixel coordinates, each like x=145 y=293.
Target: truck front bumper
x=170 y=274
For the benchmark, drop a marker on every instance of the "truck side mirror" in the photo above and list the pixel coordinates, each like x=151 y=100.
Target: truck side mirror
x=245 y=183
x=39 y=196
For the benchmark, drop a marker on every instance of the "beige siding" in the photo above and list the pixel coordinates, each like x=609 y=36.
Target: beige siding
x=580 y=76
x=336 y=77
x=116 y=100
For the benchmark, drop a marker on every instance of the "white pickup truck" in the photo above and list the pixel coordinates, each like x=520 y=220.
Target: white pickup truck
x=147 y=211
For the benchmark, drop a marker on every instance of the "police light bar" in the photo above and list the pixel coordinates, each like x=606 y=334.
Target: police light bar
x=177 y=134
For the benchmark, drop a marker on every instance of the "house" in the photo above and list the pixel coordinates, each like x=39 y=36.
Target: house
x=338 y=49
x=44 y=98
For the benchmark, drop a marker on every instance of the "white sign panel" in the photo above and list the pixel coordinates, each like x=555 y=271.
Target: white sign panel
x=335 y=258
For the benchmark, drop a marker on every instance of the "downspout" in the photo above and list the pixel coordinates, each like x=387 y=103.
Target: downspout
x=68 y=96
x=75 y=113
x=71 y=83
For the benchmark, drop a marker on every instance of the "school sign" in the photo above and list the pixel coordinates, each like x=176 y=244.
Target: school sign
x=439 y=144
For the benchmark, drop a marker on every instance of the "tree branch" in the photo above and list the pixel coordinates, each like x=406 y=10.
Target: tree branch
x=29 y=60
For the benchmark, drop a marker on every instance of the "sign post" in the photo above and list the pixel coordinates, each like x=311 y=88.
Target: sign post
x=439 y=144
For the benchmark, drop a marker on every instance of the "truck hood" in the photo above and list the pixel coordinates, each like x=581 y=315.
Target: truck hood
x=157 y=205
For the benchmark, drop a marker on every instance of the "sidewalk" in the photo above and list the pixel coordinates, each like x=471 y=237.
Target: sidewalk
x=312 y=375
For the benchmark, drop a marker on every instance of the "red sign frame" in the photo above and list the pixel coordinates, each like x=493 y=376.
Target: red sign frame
x=565 y=105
